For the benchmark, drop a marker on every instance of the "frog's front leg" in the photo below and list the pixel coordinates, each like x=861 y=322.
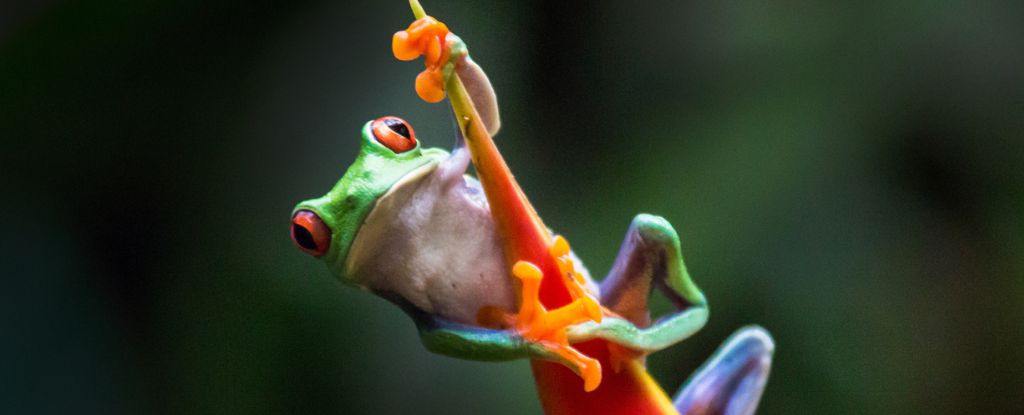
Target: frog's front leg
x=462 y=341
x=650 y=257
x=469 y=342
x=479 y=87
x=445 y=55
x=482 y=94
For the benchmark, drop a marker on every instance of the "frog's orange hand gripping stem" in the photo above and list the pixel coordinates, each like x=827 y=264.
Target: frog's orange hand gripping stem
x=426 y=36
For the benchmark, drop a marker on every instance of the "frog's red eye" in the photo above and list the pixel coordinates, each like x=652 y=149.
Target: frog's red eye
x=310 y=233
x=394 y=133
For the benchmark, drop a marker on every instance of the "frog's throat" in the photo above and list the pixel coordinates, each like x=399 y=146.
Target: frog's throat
x=357 y=251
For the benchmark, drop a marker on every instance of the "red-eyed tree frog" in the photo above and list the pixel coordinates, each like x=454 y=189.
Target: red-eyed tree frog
x=409 y=225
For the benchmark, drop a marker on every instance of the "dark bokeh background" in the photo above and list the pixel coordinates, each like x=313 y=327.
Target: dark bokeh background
x=849 y=177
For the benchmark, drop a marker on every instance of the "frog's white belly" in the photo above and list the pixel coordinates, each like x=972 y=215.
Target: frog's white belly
x=432 y=241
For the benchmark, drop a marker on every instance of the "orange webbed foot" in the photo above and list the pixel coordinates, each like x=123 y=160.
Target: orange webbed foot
x=535 y=323
x=546 y=327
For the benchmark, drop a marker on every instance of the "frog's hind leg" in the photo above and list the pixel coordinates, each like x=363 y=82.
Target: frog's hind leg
x=650 y=257
x=732 y=380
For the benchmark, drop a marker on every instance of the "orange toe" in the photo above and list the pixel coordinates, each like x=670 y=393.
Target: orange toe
x=537 y=324
x=425 y=36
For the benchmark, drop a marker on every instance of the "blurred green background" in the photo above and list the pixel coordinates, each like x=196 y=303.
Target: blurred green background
x=848 y=176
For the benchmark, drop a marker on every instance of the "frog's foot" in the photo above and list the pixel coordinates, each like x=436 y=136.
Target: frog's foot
x=547 y=331
x=548 y=328
x=440 y=48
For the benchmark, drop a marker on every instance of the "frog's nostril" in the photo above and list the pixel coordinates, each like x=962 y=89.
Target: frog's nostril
x=310 y=233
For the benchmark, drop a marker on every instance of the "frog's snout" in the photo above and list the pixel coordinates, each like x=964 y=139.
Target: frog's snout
x=310 y=233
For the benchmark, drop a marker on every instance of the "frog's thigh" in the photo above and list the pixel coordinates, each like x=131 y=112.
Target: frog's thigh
x=650 y=257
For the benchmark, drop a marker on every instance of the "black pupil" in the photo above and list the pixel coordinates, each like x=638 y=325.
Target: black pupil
x=303 y=237
x=397 y=126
